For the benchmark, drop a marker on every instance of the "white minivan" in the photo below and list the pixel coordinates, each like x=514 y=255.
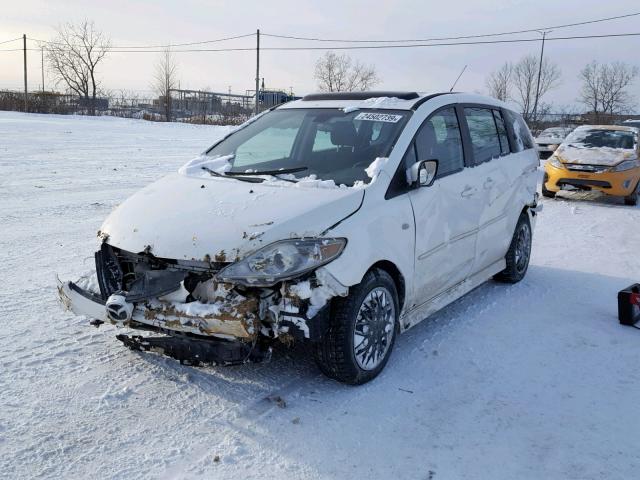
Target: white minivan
x=338 y=220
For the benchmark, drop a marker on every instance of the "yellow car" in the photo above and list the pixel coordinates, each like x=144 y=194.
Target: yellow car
x=596 y=157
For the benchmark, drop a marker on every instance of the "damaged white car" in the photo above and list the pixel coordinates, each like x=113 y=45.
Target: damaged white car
x=338 y=220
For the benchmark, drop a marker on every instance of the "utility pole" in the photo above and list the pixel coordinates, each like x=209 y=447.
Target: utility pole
x=24 y=48
x=535 y=103
x=42 y=59
x=257 y=70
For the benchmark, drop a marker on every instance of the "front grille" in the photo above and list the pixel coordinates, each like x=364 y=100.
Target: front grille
x=143 y=275
x=583 y=184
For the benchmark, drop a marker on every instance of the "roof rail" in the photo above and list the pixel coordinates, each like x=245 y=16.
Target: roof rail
x=429 y=97
x=359 y=96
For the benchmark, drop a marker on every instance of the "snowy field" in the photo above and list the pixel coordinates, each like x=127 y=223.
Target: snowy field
x=531 y=381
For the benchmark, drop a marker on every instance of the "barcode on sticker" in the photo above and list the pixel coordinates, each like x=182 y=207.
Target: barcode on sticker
x=378 y=117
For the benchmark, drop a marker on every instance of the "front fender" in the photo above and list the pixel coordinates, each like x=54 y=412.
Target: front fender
x=380 y=230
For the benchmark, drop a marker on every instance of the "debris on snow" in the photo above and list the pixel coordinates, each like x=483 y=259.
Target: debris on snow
x=278 y=400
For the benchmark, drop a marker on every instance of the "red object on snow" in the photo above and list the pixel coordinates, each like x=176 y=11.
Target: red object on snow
x=629 y=305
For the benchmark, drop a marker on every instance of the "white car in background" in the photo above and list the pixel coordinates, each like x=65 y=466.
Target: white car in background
x=550 y=138
x=631 y=123
x=338 y=220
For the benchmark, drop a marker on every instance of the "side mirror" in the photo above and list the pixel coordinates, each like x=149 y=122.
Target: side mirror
x=422 y=173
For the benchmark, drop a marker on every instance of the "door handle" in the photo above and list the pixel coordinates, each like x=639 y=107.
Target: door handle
x=468 y=191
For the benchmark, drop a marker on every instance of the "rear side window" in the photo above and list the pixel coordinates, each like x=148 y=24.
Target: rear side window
x=485 y=140
x=502 y=132
x=522 y=136
x=439 y=138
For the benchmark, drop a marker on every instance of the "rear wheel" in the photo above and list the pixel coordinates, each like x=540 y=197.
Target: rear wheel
x=362 y=331
x=519 y=252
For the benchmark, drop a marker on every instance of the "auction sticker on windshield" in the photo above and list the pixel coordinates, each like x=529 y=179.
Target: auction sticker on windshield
x=378 y=117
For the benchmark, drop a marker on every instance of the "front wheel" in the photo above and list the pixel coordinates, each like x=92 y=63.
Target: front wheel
x=633 y=198
x=545 y=192
x=519 y=252
x=362 y=331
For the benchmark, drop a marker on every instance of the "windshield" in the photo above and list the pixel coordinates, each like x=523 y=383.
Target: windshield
x=598 y=138
x=328 y=143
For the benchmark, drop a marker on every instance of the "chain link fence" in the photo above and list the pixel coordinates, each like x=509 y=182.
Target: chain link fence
x=189 y=106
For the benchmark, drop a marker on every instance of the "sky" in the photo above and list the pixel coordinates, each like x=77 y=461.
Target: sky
x=429 y=69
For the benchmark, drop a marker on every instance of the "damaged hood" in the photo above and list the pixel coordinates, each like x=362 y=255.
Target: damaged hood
x=594 y=155
x=182 y=217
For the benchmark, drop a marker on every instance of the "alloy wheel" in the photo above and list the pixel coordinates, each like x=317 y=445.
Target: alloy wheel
x=523 y=247
x=374 y=328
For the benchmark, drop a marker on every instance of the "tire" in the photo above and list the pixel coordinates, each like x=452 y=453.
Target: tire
x=336 y=354
x=545 y=192
x=633 y=198
x=519 y=252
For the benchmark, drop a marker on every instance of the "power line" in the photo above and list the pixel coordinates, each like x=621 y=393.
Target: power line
x=117 y=48
x=485 y=42
x=291 y=37
x=454 y=38
x=9 y=41
x=368 y=47
x=171 y=45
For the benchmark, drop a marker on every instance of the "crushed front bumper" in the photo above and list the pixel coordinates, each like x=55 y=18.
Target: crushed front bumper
x=294 y=316
x=183 y=340
x=228 y=322
x=202 y=319
x=198 y=352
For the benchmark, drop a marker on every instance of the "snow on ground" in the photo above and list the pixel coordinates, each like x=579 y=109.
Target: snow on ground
x=529 y=381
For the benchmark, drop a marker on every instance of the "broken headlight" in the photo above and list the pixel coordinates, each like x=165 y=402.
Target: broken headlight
x=283 y=260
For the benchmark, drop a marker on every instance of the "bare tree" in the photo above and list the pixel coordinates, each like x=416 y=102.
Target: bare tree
x=338 y=73
x=74 y=55
x=604 y=88
x=165 y=79
x=499 y=82
x=525 y=77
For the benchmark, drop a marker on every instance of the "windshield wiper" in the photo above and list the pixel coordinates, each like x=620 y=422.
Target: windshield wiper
x=272 y=173
x=248 y=179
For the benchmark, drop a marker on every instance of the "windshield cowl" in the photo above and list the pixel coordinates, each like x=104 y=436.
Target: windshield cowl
x=219 y=168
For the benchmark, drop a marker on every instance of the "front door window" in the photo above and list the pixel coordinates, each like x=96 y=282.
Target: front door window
x=439 y=139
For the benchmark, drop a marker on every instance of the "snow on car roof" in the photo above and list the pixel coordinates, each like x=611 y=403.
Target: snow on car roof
x=621 y=128
x=384 y=100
